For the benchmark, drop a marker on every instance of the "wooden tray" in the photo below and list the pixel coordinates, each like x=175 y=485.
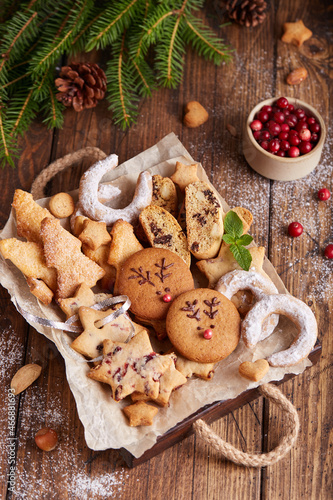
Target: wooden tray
x=209 y=414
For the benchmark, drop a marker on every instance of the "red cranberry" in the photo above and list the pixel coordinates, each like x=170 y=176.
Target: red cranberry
x=324 y=194
x=305 y=147
x=293 y=132
x=284 y=146
x=291 y=120
x=329 y=251
x=274 y=145
x=257 y=135
x=265 y=135
x=299 y=113
x=315 y=127
x=267 y=109
x=263 y=116
x=286 y=112
x=300 y=126
x=314 y=137
x=305 y=134
x=279 y=117
x=256 y=125
x=293 y=152
x=264 y=145
x=283 y=136
x=208 y=334
x=281 y=153
x=295 y=229
x=274 y=128
x=285 y=127
x=291 y=108
x=311 y=120
x=282 y=102
x=294 y=140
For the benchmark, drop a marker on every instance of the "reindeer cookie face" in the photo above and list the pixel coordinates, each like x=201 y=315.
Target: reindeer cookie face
x=152 y=278
x=203 y=325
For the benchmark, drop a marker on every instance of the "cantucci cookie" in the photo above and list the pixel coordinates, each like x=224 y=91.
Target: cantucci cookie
x=163 y=231
x=204 y=222
x=164 y=194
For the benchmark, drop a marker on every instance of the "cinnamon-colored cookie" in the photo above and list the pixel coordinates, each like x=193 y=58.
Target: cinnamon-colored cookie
x=203 y=325
x=150 y=278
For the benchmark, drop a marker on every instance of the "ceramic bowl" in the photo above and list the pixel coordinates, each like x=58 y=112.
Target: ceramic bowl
x=276 y=167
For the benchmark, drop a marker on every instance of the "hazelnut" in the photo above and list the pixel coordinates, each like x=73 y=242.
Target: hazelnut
x=297 y=76
x=46 y=439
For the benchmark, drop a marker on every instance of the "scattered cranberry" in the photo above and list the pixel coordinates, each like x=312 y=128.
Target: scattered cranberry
x=305 y=147
x=329 y=251
x=282 y=102
x=167 y=297
x=305 y=134
x=295 y=229
x=256 y=125
x=209 y=333
x=293 y=152
x=46 y=439
x=324 y=194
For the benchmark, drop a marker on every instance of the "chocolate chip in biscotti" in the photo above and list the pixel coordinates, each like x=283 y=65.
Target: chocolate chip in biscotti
x=204 y=222
x=163 y=231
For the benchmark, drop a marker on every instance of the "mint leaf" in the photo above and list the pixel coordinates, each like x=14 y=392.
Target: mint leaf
x=244 y=240
x=228 y=239
x=233 y=224
x=242 y=255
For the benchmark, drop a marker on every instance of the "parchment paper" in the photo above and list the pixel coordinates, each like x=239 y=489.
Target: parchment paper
x=104 y=424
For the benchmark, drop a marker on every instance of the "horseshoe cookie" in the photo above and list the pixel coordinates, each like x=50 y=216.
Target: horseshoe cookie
x=260 y=286
x=295 y=310
x=94 y=209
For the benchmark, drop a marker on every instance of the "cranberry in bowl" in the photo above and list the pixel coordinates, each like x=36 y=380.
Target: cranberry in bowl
x=283 y=138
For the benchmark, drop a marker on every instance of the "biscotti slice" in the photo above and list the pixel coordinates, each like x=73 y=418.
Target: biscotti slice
x=163 y=231
x=204 y=220
x=165 y=194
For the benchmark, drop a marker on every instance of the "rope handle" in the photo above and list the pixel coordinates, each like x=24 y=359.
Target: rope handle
x=38 y=186
x=272 y=393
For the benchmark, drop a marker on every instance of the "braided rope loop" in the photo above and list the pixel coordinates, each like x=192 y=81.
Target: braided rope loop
x=272 y=393
x=37 y=188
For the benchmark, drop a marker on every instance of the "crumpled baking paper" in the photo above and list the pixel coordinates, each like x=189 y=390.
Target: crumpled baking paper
x=105 y=425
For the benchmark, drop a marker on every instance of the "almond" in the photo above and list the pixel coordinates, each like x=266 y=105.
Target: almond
x=297 y=76
x=24 y=377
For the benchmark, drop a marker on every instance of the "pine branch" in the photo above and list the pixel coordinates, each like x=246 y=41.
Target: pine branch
x=8 y=149
x=52 y=110
x=21 y=112
x=169 y=55
x=116 y=18
x=144 y=77
x=121 y=85
x=205 y=41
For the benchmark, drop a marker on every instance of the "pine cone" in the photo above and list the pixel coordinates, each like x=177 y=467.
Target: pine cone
x=81 y=85
x=247 y=12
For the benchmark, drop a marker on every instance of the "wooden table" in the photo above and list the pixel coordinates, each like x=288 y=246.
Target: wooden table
x=191 y=469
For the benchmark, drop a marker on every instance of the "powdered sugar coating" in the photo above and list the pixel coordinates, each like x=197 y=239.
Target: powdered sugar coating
x=294 y=309
x=237 y=280
x=94 y=209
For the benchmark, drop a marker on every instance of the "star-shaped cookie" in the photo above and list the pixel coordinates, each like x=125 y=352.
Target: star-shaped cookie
x=296 y=33
x=131 y=367
x=213 y=269
x=94 y=234
x=90 y=341
x=189 y=368
x=62 y=251
x=140 y=414
x=172 y=379
x=83 y=296
x=185 y=174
